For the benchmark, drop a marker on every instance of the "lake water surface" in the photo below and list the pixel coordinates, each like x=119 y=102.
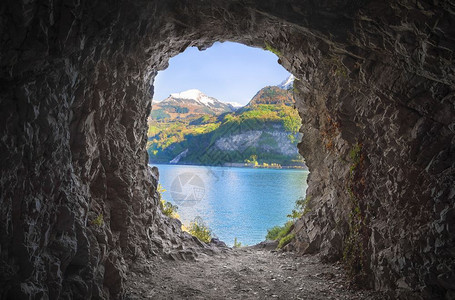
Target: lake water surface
x=233 y=202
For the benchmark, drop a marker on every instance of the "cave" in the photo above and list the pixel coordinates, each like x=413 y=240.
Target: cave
x=375 y=91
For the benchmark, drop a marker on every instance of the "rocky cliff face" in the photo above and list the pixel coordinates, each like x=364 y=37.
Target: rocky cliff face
x=241 y=142
x=375 y=89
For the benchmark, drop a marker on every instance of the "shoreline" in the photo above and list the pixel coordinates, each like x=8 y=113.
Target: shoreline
x=239 y=166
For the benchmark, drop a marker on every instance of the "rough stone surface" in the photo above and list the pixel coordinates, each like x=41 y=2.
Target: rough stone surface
x=78 y=201
x=255 y=138
x=245 y=273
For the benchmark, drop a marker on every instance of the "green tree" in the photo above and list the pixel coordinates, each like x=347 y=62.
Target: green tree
x=292 y=123
x=200 y=230
x=301 y=208
x=252 y=160
x=167 y=208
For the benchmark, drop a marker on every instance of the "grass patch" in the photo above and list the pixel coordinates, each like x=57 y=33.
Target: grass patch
x=354 y=244
x=356 y=157
x=237 y=244
x=279 y=232
x=285 y=240
x=354 y=154
x=268 y=47
x=353 y=248
x=98 y=221
x=272 y=233
x=283 y=233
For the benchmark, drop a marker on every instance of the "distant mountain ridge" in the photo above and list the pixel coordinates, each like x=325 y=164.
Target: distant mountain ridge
x=273 y=95
x=268 y=132
x=189 y=103
x=193 y=128
x=194 y=103
x=234 y=105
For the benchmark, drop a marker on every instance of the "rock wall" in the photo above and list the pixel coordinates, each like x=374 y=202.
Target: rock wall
x=375 y=92
x=381 y=191
x=240 y=142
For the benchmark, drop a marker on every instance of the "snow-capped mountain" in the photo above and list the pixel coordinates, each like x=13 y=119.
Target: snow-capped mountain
x=288 y=83
x=235 y=105
x=194 y=95
x=188 y=103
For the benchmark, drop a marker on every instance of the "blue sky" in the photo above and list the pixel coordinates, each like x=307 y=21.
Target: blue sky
x=230 y=72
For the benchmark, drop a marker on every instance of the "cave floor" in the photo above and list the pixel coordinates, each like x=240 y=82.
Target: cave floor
x=245 y=273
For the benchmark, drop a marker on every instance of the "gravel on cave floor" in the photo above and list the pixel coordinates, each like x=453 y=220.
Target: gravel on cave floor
x=245 y=273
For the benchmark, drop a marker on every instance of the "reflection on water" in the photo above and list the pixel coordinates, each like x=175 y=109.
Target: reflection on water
x=234 y=202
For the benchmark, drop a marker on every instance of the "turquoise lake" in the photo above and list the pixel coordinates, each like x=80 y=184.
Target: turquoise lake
x=233 y=202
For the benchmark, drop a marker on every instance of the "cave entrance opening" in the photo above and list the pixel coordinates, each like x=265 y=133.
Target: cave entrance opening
x=223 y=132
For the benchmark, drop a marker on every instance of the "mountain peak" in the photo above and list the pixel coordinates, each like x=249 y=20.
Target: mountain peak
x=189 y=94
x=235 y=104
x=272 y=95
x=188 y=103
x=288 y=83
x=195 y=95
